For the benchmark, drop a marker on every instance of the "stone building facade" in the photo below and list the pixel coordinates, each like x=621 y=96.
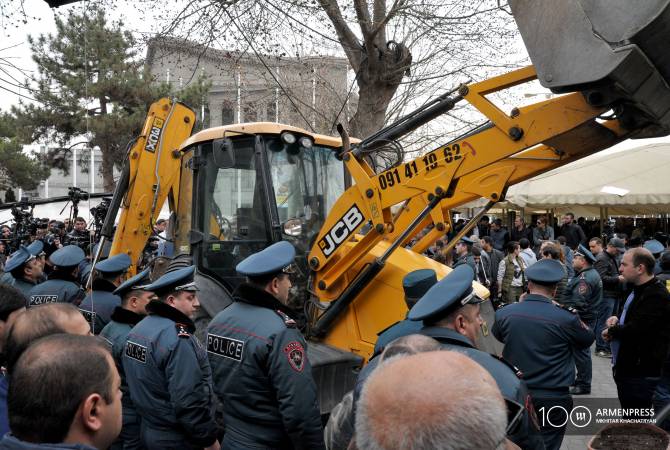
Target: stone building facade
x=310 y=93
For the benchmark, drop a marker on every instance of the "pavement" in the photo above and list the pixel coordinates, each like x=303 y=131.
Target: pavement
x=602 y=386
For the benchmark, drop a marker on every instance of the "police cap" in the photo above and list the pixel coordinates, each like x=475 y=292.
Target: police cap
x=654 y=246
x=618 y=244
x=139 y=281
x=585 y=253
x=18 y=258
x=545 y=271
x=466 y=240
x=416 y=283
x=447 y=295
x=68 y=256
x=175 y=281
x=116 y=264
x=35 y=247
x=276 y=258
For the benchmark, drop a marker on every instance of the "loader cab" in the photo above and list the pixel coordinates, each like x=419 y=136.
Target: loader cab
x=246 y=186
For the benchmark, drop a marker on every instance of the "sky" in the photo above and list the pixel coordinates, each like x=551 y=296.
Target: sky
x=14 y=50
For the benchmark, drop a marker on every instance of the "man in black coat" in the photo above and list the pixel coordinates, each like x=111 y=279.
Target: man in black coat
x=573 y=233
x=639 y=337
x=607 y=265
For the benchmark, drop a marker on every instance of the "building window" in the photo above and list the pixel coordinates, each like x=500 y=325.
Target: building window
x=227 y=114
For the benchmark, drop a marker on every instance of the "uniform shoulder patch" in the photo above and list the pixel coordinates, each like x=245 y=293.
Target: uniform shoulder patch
x=182 y=331
x=290 y=323
x=583 y=287
x=295 y=353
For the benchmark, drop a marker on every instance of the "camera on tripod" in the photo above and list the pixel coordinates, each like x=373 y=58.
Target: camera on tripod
x=76 y=194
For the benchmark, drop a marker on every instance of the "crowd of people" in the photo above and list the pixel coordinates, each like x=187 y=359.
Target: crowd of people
x=118 y=366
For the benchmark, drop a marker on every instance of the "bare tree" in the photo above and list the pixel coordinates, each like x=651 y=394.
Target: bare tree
x=401 y=52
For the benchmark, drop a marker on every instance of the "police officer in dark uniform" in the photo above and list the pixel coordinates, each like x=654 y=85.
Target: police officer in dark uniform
x=261 y=372
x=98 y=305
x=584 y=292
x=540 y=338
x=450 y=312
x=62 y=285
x=25 y=270
x=464 y=253
x=415 y=284
x=134 y=299
x=167 y=371
x=35 y=249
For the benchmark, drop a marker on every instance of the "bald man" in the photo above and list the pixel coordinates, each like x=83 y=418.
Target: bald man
x=340 y=427
x=40 y=321
x=472 y=411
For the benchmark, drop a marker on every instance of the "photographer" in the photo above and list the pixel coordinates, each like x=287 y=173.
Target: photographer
x=79 y=236
x=54 y=238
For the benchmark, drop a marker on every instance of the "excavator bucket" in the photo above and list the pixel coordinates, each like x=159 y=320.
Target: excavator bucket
x=615 y=52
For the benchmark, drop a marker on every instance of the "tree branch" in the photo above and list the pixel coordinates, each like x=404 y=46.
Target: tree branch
x=350 y=43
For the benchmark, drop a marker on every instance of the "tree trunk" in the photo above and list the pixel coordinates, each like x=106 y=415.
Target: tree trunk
x=107 y=169
x=379 y=76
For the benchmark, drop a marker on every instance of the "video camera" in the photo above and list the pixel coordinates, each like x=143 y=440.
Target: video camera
x=76 y=194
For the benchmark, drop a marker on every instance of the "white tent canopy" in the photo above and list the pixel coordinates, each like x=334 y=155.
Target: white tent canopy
x=642 y=174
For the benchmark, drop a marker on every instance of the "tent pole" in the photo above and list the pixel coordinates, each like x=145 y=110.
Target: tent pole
x=602 y=220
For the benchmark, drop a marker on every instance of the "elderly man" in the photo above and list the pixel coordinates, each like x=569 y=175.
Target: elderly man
x=472 y=412
x=64 y=394
x=639 y=336
x=261 y=372
x=450 y=312
x=541 y=338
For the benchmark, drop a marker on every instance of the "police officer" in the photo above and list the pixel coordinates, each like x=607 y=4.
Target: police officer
x=464 y=253
x=25 y=269
x=35 y=249
x=166 y=367
x=261 y=372
x=62 y=285
x=450 y=312
x=656 y=248
x=99 y=304
x=584 y=292
x=134 y=299
x=540 y=338
x=415 y=284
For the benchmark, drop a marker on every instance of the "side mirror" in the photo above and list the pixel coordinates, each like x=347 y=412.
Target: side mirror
x=224 y=153
x=293 y=227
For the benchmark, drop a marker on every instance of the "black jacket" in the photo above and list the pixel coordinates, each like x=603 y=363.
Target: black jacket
x=608 y=269
x=644 y=336
x=525 y=232
x=574 y=235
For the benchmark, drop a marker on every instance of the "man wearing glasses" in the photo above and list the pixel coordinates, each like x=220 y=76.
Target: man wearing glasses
x=540 y=338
